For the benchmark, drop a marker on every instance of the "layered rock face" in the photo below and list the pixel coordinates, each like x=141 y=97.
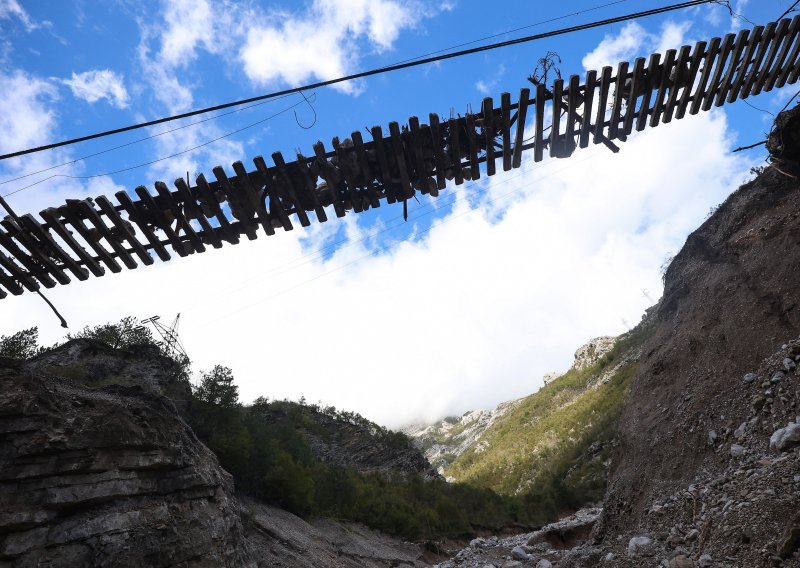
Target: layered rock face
x=98 y=469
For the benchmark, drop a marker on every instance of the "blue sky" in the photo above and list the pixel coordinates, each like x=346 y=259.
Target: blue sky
x=464 y=306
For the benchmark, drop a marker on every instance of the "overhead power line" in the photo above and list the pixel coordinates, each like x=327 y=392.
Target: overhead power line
x=363 y=74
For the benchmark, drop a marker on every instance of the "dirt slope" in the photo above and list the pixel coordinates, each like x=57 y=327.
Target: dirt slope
x=730 y=303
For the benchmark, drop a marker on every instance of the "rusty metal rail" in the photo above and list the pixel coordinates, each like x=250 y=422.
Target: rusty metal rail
x=90 y=236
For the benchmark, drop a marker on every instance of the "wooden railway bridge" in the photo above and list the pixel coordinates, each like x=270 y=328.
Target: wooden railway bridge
x=90 y=236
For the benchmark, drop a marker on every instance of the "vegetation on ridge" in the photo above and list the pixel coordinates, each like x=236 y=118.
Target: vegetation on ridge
x=553 y=446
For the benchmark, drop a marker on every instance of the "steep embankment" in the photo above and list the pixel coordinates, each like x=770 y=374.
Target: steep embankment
x=694 y=468
x=97 y=468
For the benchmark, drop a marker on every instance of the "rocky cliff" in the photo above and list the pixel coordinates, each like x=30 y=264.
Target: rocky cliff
x=97 y=468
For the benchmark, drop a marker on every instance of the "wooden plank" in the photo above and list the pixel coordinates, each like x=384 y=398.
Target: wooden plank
x=240 y=208
x=181 y=222
x=721 y=64
x=708 y=68
x=366 y=172
x=600 y=123
x=555 y=125
x=384 y=172
x=736 y=62
x=276 y=198
x=39 y=259
x=519 y=136
x=619 y=97
x=283 y=174
x=658 y=104
x=137 y=217
x=30 y=265
x=72 y=212
x=426 y=139
x=438 y=150
x=207 y=194
x=18 y=274
x=697 y=58
x=651 y=83
x=588 y=102
x=487 y=109
x=102 y=229
x=400 y=160
x=679 y=79
x=746 y=66
x=301 y=164
x=8 y=281
x=791 y=61
x=160 y=220
x=766 y=40
x=247 y=196
x=472 y=144
x=780 y=61
x=574 y=102
x=247 y=186
x=419 y=160
x=346 y=170
x=454 y=127
x=780 y=34
x=124 y=229
x=538 y=140
x=32 y=225
x=326 y=173
x=505 y=120
x=190 y=205
x=51 y=216
x=638 y=80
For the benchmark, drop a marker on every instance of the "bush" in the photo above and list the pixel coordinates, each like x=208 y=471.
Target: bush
x=21 y=345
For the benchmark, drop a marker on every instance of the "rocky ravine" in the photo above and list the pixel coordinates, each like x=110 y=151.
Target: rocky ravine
x=97 y=469
x=445 y=440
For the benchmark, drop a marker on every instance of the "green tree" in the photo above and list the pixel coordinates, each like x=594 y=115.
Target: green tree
x=125 y=333
x=216 y=387
x=21 y=345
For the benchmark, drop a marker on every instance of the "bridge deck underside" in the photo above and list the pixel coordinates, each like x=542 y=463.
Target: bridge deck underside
x=90 y=236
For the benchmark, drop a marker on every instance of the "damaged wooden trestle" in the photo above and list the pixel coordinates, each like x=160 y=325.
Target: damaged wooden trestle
x=91 y=236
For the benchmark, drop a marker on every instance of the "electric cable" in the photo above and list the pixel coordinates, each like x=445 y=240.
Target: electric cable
x=131 y=143
x=363 y=74
x=187 y=150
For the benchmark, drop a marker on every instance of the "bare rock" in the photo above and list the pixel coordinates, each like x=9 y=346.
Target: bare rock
x=785 y=438
x=640 y=546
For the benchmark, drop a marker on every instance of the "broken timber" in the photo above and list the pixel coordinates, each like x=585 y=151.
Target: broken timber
x=87 y=236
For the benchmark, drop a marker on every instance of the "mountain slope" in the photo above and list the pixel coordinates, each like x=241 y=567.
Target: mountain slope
x=556 y=442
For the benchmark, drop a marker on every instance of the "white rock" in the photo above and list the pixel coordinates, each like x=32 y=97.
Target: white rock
x=750 y=377
x=518 y=553
x=639 y=545
x=705 y=561
x=544 y=563
x=789 y=364
x=740 y=432
x=785 y=438
x=477 y=543
x=737 y=451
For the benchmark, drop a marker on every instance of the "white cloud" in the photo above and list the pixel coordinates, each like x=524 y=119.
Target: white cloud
x=96 y=84
x=634 y=41
x=10 y=9
x=322 y=42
